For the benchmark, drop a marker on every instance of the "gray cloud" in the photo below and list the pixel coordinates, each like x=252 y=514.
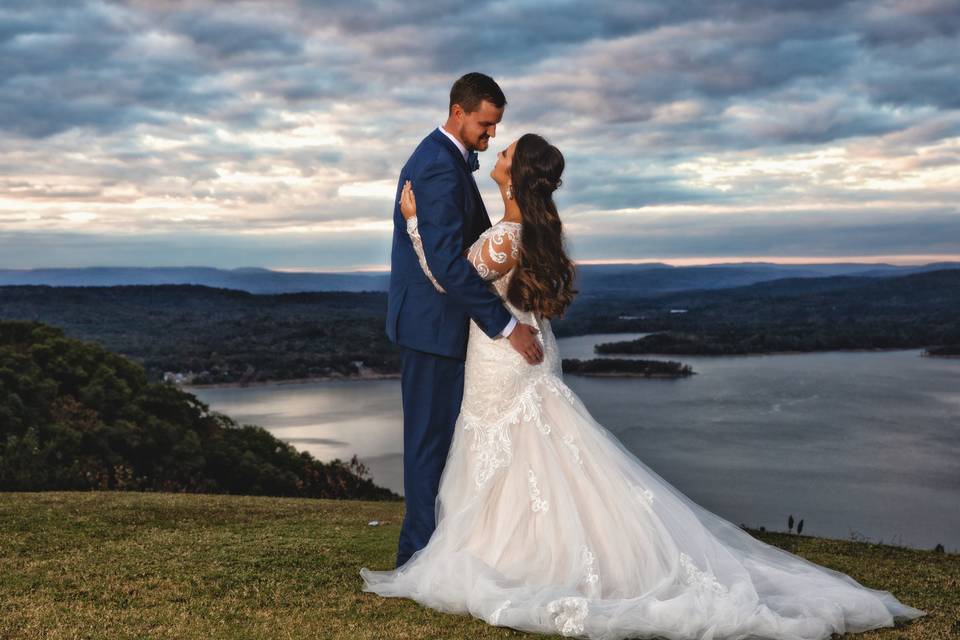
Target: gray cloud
x=203 y=119
x=867 y=233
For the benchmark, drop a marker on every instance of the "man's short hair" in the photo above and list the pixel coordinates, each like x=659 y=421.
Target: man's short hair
x=472 y=89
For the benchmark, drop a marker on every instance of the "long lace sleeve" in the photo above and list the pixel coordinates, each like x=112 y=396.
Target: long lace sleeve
x=418 y=248
x=495 y=252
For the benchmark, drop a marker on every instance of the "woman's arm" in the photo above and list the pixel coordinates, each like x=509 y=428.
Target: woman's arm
x=496 y=254
x=408 y=207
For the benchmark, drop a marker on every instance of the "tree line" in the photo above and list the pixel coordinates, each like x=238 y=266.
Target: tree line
x=74 y=416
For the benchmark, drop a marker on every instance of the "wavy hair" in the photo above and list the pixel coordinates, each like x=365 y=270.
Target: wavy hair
x=543 y=276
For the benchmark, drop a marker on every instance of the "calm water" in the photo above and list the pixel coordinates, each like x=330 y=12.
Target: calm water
x=860 y=444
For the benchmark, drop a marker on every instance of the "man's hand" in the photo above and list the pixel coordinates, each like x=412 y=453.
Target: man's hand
x=523 y=338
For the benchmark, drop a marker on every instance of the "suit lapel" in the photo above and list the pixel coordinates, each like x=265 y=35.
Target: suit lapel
x=452 y=148
x=476 y=194
x=480 y=220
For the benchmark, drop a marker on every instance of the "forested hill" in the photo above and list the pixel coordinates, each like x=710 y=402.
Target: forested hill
x=922 y=308
x=75 y=416
x=224 y=335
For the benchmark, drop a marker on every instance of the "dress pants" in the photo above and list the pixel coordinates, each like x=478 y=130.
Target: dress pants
x=431 y=386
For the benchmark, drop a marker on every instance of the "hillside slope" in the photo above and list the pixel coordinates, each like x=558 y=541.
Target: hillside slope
x=193 y=566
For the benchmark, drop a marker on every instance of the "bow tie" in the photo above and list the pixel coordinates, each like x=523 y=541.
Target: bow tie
x=473 y=161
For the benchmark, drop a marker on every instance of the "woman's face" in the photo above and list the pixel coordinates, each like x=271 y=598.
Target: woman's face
x=501 y=171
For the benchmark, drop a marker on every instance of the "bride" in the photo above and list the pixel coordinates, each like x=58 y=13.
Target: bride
x=546 y=523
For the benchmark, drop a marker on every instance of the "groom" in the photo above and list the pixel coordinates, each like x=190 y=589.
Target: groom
x=431 y=328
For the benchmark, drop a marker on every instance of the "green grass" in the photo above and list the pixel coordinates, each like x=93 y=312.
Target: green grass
x=162 y=565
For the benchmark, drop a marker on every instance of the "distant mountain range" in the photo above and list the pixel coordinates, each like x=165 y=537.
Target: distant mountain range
x=646 y=279
x=250 y=279
x=217 y=334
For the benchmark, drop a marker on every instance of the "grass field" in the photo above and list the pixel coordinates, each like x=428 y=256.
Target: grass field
x=124 y=565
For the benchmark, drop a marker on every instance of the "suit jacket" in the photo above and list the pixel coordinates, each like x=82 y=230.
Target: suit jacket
x=450 y=217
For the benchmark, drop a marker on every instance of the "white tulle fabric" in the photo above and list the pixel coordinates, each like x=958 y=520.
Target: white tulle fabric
x=546 y=523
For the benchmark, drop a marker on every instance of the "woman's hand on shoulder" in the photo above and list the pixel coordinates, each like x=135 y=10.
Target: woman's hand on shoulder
x=408 y=204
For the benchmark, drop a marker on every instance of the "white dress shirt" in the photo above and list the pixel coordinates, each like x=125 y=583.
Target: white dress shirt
x=507 y=330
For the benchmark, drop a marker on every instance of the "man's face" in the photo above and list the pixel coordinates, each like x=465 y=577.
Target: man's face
x=477 y=127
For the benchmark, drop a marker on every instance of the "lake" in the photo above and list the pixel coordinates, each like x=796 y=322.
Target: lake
x=859 y=444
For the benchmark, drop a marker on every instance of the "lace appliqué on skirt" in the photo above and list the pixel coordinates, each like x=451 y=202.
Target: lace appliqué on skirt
x=536 y=502
x=491 y=437
x=574 y=449
x=695 y=576
x=591 y=578
x=568 y=614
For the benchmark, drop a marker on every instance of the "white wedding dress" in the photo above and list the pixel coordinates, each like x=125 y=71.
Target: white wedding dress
x=547 y=524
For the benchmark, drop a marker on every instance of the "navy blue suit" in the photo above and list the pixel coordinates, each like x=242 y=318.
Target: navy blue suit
x=431 y=328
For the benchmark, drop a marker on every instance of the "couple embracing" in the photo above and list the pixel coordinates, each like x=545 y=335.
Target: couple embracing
x=521 y=509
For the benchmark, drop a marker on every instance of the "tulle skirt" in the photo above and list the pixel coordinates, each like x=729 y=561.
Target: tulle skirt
x=546 y=523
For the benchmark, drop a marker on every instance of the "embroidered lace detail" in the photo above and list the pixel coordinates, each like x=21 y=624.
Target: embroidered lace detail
x=492 y=255
x=645 y=494
x=491 y=437
x=417 y=241
x=536 y=502
x=591 y=578
x=492 y=445
x=568 y=614
x=574 y=449
x=495 y=616
x=500 y=387
x=496 y=250
x=695 y=576
x=559 y=387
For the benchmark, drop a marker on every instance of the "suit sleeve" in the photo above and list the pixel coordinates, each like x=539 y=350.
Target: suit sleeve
x=439 y=195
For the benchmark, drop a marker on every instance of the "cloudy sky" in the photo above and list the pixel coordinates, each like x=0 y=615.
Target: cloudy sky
x=270 y=134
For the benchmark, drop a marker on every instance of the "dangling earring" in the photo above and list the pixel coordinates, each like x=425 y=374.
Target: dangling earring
x=509 y=192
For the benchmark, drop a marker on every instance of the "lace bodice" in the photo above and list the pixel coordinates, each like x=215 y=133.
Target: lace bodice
x=492 y=255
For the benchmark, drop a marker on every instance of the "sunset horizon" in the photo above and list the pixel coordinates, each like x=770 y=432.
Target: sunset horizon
x=899 y=261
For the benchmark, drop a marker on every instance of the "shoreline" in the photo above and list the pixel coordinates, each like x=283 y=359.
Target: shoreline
x=307 y=380
x=611 y=374
x=389 y=376
x=771 y=353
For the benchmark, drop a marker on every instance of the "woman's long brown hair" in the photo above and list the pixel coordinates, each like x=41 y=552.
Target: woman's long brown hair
x=542 y=281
